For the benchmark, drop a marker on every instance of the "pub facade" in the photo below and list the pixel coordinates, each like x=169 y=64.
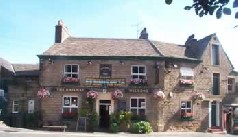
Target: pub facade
x=175 y=87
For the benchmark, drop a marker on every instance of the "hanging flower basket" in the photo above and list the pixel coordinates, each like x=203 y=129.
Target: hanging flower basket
x=117 y=94
x=199 y=96
x=159 y=94
x=92 y=94
x=43 y=93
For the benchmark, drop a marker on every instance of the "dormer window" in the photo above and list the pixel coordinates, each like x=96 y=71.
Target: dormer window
x=186 y=76
x=215 y=55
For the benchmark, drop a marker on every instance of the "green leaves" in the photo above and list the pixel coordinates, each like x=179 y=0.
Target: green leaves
x=227 y=11
x=235 y=4
x=168 y=2
x=219 y=13
x=236 y=15
x=187 y=7
x=210 y=7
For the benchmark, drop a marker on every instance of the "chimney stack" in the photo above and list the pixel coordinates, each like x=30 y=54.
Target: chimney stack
x=143 y=34
x=61 y=32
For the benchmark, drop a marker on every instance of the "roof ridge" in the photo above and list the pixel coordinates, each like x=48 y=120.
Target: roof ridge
x=106 y=38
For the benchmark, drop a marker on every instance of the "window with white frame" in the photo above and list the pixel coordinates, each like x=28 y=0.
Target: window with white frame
x=70 y=104
x=138 y=105
x=138 y=72
x=15 y=106
x=186 y=73
x=186 y=107
x=71 y=71
x=231 y=84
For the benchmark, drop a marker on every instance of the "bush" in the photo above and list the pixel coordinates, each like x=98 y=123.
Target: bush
x=114 y=127
x=141 y=127
x=92 y=121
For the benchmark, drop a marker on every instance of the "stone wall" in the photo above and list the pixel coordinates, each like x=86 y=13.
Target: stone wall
x=202 y=83
x=23 y=89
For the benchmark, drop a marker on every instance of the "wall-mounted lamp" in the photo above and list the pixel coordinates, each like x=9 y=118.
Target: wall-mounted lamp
x=157 y=65
x=122 y=62
x=89 y=62
x=50 y=61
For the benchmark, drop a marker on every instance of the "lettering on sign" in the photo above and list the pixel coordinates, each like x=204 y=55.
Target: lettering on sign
x=108 y=82
x=138 y=90
x=70 y=89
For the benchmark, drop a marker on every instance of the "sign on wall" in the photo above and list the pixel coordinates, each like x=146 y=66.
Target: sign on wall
x=105 y=70
x=31 y=104
x=109 y=82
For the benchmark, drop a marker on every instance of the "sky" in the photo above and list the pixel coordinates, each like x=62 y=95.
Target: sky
x=27 y=27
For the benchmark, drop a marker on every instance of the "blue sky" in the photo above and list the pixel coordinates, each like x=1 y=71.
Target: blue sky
x=27 y=26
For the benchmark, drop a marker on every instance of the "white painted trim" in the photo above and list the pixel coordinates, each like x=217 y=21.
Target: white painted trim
x=138 y=104
x=209 y=114
x=104 y=96
x=13 y=106
x=138 y=74
x=70 y=102
x=71 y=70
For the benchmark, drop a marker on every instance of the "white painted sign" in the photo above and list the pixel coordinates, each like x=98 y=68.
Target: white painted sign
x=31 y=105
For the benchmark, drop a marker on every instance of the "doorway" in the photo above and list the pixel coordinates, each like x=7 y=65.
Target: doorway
x=215 y=114
x=104 y=113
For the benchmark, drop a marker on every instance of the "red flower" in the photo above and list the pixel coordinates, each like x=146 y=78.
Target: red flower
x=117 y=94
x=92 y=94
x=70 y=80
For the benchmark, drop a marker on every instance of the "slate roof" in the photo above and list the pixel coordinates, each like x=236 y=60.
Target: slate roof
x=102 y=47
x=170 y=50
x=7 y=65
x=96 y=47
x=26 y=69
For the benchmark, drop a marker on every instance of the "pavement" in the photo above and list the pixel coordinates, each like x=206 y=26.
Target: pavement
x=6 y=131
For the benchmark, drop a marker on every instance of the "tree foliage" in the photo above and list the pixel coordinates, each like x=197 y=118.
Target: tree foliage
x=209 y=7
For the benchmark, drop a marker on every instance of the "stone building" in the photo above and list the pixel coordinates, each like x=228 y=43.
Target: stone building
x=175 y=87
x=22 y=94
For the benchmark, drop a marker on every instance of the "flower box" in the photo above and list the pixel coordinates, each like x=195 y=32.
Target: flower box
x=138 y=82
x=186 y=116
x=69 y=115
x=186 y=82
x=70 y=80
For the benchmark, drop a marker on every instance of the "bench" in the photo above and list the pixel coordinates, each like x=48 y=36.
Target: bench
x=56 y=127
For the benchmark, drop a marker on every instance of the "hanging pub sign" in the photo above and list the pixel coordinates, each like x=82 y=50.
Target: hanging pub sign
x=105 y=70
